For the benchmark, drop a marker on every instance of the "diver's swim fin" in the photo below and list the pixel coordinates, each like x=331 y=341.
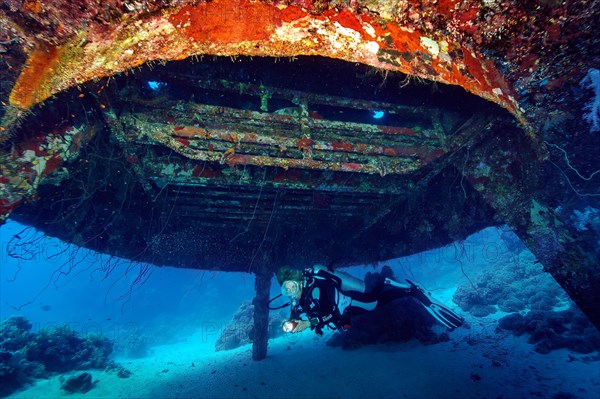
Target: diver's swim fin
x=444 y=315
x=439 y=311
x=397 y=284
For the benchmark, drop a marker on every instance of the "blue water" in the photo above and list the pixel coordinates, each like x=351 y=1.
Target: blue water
x=51 y=282
x=178 y=314
x=91 y=293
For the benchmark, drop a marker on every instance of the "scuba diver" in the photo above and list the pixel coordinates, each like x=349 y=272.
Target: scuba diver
x=331 y=298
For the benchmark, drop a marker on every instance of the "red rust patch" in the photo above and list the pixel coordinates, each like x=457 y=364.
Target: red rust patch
x=52 y=164
x=403 y=41
x=6 y=206
x=315 y=115
x=132 y=159
x=205 y=170
x=474 y=66
x=292 y=13
x=466 y=17
x=227 y=21
x=345 y=18
x=305 y=143
x=446 y=6
x=32 y=144
x=353 y=166
x=390 y=151
x=400 y=131
x=339 y=146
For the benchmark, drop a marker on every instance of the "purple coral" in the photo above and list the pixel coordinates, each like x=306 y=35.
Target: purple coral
x=592 y=81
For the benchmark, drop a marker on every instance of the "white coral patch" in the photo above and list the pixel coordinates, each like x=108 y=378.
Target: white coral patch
x=39 y=167
x=349 y=33
x=430 y=45
x=445 y=58
x=497 y=91
x=29 y=155
x=337 y=36
x=368 y=28
x=291 y=33
x=98 y=62
x=372 y=47
x=37 y=163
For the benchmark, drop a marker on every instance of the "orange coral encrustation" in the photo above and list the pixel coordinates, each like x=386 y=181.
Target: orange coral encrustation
x=41 y=64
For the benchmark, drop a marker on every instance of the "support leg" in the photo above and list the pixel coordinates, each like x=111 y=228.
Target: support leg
x=262 y=287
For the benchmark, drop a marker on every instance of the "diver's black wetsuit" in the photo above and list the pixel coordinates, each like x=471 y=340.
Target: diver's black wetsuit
x=319 y=303
x=321 y=296
x=323 y=290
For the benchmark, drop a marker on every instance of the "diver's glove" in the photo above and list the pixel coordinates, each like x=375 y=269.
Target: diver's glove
x=316 y=324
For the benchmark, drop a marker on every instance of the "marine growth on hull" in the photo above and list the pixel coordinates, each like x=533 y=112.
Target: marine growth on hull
x=231 y=162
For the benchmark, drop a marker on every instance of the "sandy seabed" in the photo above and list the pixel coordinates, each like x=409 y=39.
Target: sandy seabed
x=476 y=363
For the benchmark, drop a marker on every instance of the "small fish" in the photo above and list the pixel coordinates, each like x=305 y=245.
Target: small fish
x=46 y=308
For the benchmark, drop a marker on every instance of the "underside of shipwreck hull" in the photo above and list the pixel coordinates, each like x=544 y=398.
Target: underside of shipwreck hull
x=244 y=135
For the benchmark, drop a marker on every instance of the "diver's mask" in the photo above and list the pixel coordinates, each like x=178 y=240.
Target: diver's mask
x=291 y=288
